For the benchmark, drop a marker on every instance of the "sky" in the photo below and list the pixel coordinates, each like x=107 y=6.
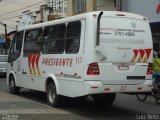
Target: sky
x=11 y=10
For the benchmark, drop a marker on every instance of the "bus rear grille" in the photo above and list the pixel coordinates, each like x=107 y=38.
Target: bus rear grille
x=135 y=77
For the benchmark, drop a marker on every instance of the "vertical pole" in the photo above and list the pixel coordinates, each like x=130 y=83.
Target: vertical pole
x=6 y=37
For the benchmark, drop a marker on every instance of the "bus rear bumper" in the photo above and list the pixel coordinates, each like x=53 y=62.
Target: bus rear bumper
x=96 y=87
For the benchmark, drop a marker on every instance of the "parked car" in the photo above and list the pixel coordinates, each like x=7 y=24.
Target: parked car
x=3 y=64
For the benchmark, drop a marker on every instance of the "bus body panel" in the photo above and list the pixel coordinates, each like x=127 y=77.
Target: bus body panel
x=127 y=50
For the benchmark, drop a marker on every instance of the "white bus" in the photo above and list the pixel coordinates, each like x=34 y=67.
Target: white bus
x=98 y=54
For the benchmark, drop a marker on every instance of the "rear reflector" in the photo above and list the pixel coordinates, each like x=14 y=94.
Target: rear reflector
x=107 y=89
x=93 y=69
x=149 y=71
x=95 y=15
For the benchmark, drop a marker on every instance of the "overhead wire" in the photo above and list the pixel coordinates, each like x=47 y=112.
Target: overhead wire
x=17 y=10
x=28 y=1
x=22 y=1
x=15 y=15
x=13 y=2
x=12 y=15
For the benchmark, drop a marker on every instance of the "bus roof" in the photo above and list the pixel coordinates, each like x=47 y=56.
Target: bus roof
x=83 y=16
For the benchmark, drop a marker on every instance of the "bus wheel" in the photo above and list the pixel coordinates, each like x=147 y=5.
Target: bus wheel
x=52 y=98
x=12 y=86
x=104 y=99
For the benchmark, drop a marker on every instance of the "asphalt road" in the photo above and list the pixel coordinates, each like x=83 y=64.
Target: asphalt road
x=31 y=105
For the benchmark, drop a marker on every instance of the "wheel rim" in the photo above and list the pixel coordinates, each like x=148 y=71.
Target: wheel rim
x=11 y=84
x=51 y=95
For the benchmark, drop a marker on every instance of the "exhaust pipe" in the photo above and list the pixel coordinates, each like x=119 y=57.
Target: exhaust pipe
x=98 y=27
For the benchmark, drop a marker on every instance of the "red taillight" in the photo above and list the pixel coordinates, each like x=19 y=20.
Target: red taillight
x=149 y=71
x=95 y=15
x=93 y=69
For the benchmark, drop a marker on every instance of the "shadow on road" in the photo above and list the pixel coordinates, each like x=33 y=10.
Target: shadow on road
x=84 y=107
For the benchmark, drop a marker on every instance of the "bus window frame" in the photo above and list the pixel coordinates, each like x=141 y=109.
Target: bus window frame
x=68 y=37
x=61 y=39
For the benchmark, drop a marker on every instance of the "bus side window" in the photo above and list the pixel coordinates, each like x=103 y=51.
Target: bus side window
x=16 y=46
x=73 y=37
x=33 y=41
x=54 y=39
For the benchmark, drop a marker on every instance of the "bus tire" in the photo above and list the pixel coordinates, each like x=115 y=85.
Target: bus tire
x=53 y=99
x=104 y=99
x=12 y=86
x=110 y=98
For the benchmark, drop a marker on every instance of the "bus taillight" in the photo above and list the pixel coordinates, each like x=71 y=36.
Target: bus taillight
x=149 y=71
x=93 y=69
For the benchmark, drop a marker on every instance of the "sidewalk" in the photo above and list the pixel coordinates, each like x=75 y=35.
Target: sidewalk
x=13 y=104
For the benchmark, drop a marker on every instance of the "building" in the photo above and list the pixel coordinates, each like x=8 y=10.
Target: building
x=57 y=6
x=81 y=6
x=53 y=9
x=149 y=9
x=57 y=9
x=26 y=18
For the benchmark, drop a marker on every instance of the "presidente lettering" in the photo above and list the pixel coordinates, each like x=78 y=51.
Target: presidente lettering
x=57 y=62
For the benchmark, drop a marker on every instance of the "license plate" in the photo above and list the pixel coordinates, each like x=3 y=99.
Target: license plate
x=123 y=67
